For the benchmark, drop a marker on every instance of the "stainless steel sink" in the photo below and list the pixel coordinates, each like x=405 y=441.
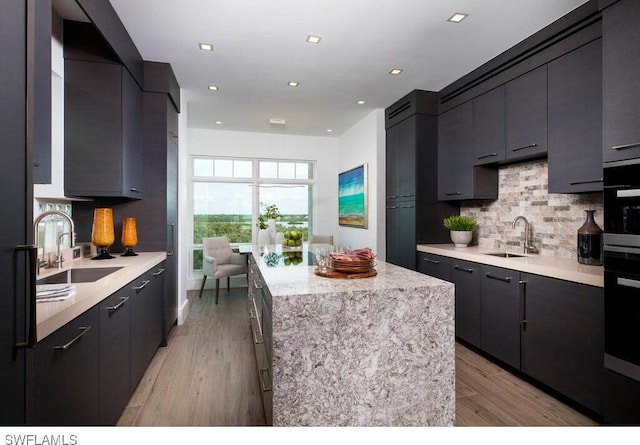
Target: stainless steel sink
x=80 y=275
x=505 y=255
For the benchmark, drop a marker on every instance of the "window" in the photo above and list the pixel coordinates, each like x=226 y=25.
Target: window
x=226 y=195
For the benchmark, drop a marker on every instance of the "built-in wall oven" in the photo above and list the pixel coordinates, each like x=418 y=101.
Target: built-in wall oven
x=622 y=268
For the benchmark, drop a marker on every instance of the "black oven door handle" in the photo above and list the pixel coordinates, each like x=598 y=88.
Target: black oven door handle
x=627 y=282
x=628 y=193
x=621 y=249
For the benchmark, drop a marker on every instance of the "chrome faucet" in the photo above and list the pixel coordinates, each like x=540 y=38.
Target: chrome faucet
x=71 y=233
x=527 y=248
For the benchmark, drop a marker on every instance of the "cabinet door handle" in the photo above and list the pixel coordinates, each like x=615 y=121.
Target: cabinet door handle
x=258 y=339
x=490 y=155
x=112 y=309
x=525 y=147
x=255 y=284
x=626 y=282
x=83 y=330
x=625 y=146
x=252 y=314
x=135 y=190
x=392 y=196
x=522 y=301
x=428 y=260
x=494 y=277
x=142 y=286
x=631 y=193
x=463 y=269
x=158 y=273
x=265 y=382
x=406 y=207
x=586 y=182
x=453 y=194
x=171 y=227
x=30 y=310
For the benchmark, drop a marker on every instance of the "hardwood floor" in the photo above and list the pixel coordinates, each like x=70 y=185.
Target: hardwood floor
x=206 y=376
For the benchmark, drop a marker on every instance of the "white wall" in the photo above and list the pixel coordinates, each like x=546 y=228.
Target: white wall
x=365 y=143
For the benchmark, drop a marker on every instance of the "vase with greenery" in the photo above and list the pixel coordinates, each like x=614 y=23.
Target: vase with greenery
x=461 y=229
x=269 y=211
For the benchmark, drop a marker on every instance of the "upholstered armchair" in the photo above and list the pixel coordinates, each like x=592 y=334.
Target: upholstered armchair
x=219 y=261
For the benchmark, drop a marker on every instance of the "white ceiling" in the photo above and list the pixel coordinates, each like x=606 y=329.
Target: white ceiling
x=260 y=45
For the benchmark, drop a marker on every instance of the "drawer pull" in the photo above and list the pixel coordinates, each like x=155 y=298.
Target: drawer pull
x=83 y=330
x=453 y=194
x=626 y=282
x=158 y=273
x=490 y=155
x=135 y=190
x=142 y=286
x=265 y=380
x=255 y=284
x=463 y=269
x=494 y=277
x=428 y=260
x=112 y=309
x=253 y=314
x=525 y=147
x=625 y=146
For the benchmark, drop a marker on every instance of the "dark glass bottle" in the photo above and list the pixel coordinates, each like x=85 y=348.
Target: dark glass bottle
x=590 y=241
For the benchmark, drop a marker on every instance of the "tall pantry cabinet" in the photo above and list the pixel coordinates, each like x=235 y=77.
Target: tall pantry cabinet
x=413 y=213
x=16 y=185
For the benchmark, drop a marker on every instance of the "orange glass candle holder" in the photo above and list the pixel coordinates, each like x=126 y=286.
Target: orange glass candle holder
x=129 y=236
x=102 y=233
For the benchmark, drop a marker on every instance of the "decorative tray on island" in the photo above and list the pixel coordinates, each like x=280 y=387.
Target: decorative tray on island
x=351 y=264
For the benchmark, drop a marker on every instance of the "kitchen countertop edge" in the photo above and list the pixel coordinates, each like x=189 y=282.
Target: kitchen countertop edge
x=550 y=266
x=52 y=315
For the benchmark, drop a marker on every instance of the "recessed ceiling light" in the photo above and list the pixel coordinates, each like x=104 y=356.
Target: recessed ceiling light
x=361 y=102
x=395 y=71
x=329 y=130
x=293 y=84
x=213 y=87
x=313 y=39
x=206 y=47
x=218 y=122
x=457 y=17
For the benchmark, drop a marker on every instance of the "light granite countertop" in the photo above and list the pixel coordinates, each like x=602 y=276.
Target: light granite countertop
x=550 y=266
x=375 y=351
x=52 y=315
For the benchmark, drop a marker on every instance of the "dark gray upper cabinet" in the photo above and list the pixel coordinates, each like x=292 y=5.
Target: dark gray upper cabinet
x=620 y=68
x=575 y=120
x=526 y=112
x=489 y=126
x=103 y=136
x=41 y=108
x=458 y=178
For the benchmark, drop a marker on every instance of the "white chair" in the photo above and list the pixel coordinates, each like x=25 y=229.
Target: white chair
x=218 y=261
x=321 y=239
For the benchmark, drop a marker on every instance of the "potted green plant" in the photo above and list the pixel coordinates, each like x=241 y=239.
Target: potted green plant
x=461 y=229
x=267 y=223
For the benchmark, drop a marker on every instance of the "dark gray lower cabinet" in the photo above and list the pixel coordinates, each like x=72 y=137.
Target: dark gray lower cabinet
x=63 y=384
x=563 y=338
x=499 y=314
x=114 y=356
x=147 y=296
x=435 y=265
x=466 y=277
x=401 y=233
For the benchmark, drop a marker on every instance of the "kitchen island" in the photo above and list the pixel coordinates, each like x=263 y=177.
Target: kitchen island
x=375 y=351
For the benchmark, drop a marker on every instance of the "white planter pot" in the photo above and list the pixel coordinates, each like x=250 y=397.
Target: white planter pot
x=271 y=228
x=461 y=238
x=263 y=237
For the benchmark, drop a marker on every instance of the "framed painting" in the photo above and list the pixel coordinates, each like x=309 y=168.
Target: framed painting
x=352 y=197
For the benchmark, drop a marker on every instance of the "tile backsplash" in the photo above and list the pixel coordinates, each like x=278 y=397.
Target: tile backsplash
x=554 y=218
